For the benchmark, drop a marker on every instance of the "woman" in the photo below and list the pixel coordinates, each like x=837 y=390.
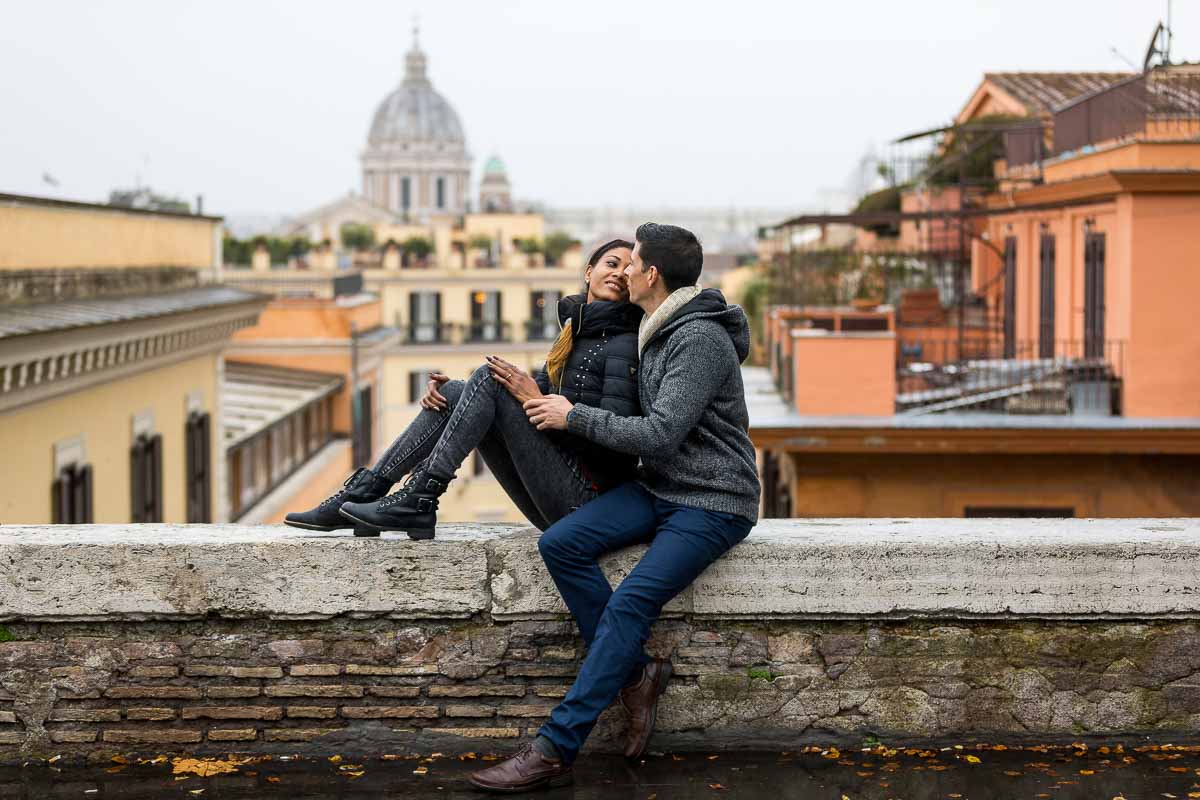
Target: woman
x=546 y=473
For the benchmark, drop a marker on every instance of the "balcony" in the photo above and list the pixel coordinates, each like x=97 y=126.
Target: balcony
x=428 y=333
x=977 y=374
x=541 y=330
x=487 y=331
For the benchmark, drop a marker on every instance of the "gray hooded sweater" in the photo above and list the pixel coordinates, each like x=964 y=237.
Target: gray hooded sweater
x=693 y=438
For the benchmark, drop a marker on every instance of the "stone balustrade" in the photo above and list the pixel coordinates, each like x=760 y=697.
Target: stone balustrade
x=211 y=638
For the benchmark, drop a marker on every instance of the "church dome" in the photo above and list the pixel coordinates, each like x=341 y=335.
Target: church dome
x=494 y=166
x=415 y=113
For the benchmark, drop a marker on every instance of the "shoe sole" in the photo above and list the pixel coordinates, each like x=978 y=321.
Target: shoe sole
x=550 y=783
x=416 y=534
x=659 y=689
x=304 y=526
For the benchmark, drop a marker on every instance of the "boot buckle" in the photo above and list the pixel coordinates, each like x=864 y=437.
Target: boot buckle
x=433 y=484
x=424 y=504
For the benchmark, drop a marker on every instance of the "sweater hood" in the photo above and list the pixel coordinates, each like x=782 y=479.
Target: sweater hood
x=710 y=304
x=598 y=315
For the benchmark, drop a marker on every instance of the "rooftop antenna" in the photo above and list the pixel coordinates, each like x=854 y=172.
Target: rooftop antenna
x=1160 y=43
x=1121 y=56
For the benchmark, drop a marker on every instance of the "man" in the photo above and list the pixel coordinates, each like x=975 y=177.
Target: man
x=695 y=497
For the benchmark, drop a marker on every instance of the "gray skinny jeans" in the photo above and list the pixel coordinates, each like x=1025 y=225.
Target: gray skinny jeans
x=542 y=478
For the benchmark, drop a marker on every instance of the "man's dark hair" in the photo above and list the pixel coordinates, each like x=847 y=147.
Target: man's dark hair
x=674 y=250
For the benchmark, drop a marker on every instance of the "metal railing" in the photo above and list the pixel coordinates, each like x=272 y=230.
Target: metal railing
x=935 y=376
x=428 y=333
x=487 y=331
x=541 y=330
x=1158 y=104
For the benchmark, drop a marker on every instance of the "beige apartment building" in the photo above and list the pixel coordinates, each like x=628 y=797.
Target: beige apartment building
x=111 y=333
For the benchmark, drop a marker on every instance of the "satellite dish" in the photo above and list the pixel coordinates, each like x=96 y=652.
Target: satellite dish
x=1154 y=50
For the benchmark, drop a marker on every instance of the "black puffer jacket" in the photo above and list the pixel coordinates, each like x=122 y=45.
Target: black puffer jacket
x=601 y=371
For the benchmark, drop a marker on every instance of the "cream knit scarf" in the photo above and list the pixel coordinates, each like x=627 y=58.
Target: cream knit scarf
x=652 y=322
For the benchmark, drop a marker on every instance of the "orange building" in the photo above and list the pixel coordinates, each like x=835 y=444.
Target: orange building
x=1075 y=391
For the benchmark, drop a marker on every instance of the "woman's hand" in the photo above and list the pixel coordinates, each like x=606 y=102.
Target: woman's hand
x=518 y=382
x=549 y=412
x=433 y=399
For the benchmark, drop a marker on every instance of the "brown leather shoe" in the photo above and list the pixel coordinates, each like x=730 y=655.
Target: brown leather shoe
x=527 y=770
x=641 y=701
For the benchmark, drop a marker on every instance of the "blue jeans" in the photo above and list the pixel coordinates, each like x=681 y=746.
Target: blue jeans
x=615 y=625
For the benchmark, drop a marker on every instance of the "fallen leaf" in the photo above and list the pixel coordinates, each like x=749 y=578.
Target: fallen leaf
x=716 y=787
x=334 y=759
x=713 y=758
x=115 y=759
x=272 y=779
x=973 y=759
x=1012 y=772
x=1087 y=772
x=420 y=770
x=357 y=773
x=204 y=767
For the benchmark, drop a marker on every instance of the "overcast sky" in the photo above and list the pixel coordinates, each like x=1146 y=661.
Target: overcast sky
x=263 y=106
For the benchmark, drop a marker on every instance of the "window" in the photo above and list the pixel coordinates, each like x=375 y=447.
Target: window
x=405 y=193
x=1093 y=295
x=485 y=317
x=1020 y=512
x=145 y=479
x=71 y=495
x=425 y=317
x=363 y=411
x=543 y=315
x=198 y=438
x=416 y=383
x=441 y=192
x=1046 y=298
x=1010 y=297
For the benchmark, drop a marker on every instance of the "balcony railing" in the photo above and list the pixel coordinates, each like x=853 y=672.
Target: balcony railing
x=541 y=330
x=428 y=333
x=1158 y=104
x=974 y=375
x=487 y=331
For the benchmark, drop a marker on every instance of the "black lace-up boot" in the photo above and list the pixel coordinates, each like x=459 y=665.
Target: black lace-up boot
x=413 y=509
x=363 y=486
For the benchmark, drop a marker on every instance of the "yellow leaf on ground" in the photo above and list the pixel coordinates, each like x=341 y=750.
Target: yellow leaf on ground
x=716 y=787
x=272 y=779
x=1087 y=772
x=973 y=759
x=204 y=767
x=334 y=759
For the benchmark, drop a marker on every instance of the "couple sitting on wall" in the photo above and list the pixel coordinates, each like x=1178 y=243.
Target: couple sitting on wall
x=647 y=367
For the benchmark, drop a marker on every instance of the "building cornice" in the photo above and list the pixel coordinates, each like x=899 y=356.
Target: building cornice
x=39 y=367
x=1097 y=440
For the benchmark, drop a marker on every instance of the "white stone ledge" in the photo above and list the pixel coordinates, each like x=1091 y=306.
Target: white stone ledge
x=787 y=569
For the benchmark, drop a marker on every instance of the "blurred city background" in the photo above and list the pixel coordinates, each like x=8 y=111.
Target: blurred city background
x=236 y=238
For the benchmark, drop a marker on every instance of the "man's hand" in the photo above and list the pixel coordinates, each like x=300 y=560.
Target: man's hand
x=433 y=399
x=549 y=412
x=518 y=382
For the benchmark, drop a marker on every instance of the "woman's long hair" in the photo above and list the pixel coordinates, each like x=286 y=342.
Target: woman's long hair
x=556 y=361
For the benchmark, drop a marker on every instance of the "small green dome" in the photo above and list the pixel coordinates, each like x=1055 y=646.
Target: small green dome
x=494 y=166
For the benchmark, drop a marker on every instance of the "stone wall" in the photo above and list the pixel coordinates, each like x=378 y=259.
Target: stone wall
x=219 y=638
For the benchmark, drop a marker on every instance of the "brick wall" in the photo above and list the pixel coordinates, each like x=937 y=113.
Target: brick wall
x=372 y=687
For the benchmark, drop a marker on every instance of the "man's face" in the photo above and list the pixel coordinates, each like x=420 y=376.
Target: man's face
x=636 y=276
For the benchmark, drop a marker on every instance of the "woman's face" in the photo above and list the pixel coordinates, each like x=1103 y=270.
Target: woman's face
x=606 y=280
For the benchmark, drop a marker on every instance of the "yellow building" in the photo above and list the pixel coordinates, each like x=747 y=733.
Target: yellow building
x=111 y=332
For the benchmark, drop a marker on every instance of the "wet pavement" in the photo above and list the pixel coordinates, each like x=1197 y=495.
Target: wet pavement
x=972 y=772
